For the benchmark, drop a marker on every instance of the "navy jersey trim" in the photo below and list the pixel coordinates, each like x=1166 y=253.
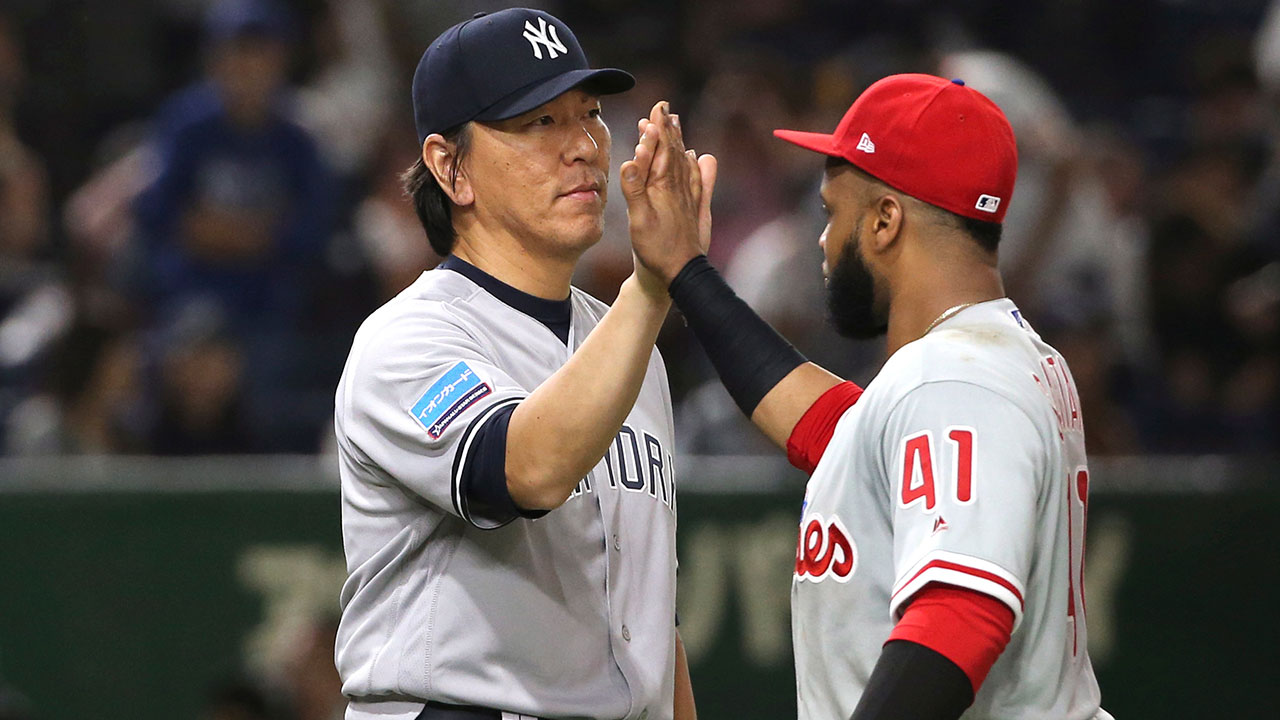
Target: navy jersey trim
x=462 y=459
x=554 y=314
x=483 y=481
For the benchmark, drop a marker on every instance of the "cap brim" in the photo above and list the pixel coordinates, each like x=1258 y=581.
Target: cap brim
x=817 y=142
x=605 y=81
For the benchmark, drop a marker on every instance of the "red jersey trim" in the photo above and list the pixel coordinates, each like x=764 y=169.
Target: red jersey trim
x=811 y=435
x=967 y=627
x=960 y=571
x=960 y=568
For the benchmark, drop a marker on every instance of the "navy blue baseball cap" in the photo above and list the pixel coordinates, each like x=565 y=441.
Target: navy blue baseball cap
x=496 y=66
x=230 y=19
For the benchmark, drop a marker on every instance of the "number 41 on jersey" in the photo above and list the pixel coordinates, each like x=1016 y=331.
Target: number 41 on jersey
x=918 y=483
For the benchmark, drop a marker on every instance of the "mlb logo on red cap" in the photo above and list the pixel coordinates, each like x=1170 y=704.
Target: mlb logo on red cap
x=934 y=139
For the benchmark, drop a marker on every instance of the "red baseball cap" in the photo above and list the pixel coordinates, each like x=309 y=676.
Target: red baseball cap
x=931 y=138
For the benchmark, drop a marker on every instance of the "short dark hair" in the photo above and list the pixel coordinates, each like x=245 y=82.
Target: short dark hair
x=432 y=203
x=986 y=234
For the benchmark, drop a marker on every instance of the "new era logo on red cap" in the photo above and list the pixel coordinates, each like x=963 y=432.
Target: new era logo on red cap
x=937 y=141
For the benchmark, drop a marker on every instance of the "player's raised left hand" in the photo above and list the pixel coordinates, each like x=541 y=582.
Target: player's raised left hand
x=668 y=191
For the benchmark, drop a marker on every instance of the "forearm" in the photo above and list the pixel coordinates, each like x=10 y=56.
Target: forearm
x=565 y=426
x=770 y=381
x=684 y=705
x=783 y=406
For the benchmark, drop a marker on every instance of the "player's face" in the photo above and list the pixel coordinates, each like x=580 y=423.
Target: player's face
x=857 y=298
x=542 y=177
x=248 y=72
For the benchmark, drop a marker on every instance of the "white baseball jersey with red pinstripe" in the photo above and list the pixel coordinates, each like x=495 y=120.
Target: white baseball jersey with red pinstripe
x=962 y=463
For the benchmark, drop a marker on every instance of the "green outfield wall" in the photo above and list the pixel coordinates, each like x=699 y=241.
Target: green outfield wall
x=128 y=588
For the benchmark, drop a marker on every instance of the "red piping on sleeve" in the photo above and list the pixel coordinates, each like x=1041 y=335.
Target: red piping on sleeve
x=967 y=627
x=989 y=576
x=810 y=436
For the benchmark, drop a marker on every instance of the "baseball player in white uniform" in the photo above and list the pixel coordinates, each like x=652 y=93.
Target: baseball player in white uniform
x=505 y=440
x=939 y=561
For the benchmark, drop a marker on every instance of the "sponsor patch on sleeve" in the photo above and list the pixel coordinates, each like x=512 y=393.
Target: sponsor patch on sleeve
x=448 y=398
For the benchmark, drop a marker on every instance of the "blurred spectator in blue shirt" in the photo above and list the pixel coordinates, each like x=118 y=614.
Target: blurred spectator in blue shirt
x=241 y=202
x=240 y=212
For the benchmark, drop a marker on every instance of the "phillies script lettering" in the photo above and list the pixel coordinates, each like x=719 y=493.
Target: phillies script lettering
x=825 y=550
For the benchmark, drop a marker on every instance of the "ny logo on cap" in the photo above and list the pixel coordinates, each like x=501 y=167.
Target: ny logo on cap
x=865 y=144
x=988 y=203
x=544 y=35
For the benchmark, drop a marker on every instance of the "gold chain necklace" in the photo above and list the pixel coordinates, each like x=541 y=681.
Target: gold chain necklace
x=946 y=315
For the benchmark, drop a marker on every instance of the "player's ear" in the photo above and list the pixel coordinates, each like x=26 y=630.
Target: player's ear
x=886 y=220
x=441 y=158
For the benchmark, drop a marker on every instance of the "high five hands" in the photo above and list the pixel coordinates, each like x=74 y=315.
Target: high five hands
x=668 y=191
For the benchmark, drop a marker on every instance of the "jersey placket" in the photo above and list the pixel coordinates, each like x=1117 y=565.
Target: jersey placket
x=612 y=548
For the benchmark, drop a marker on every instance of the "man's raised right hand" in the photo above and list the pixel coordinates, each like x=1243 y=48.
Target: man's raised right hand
x=668 y=191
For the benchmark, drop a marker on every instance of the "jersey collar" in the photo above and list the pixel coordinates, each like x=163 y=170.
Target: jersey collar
x=1000 y=310
x=555 y=314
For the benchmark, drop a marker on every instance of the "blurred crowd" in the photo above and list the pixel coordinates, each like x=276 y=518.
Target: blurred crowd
x=199 y=200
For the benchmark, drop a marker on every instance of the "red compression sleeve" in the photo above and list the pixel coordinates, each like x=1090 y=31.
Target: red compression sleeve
x=810 y=436
x=967 y=627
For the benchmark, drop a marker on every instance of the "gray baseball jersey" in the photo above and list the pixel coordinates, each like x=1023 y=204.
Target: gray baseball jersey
x=962 y=463
x=567 y=616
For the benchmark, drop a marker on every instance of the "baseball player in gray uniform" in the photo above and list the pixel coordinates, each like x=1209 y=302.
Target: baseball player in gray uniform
x=939 y=560
x=505 y=440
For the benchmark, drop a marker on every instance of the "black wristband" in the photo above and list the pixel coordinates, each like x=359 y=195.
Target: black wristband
x=913 y=681
x=750 y=357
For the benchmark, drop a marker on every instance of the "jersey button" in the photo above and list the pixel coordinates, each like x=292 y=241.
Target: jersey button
x=617 y=544
x=626 y=633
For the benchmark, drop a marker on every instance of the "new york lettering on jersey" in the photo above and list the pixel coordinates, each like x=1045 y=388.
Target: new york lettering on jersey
x=627 y=468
